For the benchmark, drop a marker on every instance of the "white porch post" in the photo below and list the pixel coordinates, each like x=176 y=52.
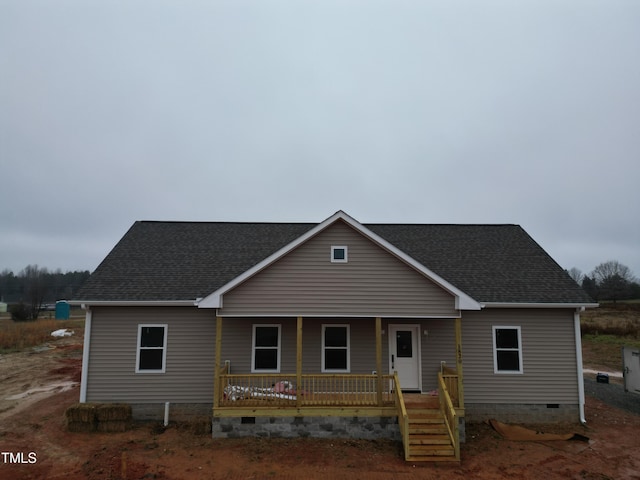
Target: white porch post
x=458 y=326
x=379 y=358
x=216 y=374
x=299 y=362
x=85 y=355
x=578 y=337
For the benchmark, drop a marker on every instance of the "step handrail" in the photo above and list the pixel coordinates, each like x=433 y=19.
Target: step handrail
x=449 y=414
x=403 y=416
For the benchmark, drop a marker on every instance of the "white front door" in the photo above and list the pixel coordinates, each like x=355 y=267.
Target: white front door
x=404 y=355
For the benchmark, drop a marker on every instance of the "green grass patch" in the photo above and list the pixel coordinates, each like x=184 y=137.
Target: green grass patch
x=606 y=330
x=605 y=351
x=612 y=340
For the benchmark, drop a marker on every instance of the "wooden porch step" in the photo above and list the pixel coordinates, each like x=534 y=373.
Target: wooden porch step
x=432 y=453
x=425 y=417
x=428 y=429
x=424 y=420
x=425 y=412
x=429 y=439
x=432 y=450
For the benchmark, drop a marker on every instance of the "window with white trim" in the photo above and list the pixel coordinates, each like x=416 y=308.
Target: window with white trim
x=151 y=354
x=339 y=254
x=507 y=350
x=335 y=348
x=265 y=354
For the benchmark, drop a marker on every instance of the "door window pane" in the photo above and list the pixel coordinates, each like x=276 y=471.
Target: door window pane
x=404 y=346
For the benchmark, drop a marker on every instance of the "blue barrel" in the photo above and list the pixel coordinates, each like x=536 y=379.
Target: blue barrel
x=62 y=310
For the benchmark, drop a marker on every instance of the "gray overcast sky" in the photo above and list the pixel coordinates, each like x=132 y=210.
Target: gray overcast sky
x=396 y=111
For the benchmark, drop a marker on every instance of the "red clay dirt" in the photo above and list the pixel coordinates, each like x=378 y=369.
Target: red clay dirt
x=34 y=431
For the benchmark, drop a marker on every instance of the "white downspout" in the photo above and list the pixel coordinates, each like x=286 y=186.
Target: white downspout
x=576 y=326
x=85 y=356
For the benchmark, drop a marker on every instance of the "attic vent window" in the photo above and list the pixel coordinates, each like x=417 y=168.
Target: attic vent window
x=339 y=254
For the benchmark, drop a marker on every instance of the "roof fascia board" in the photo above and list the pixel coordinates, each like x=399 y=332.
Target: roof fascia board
x=336 y=315
x=538 y=305
x=462 y=300
x=134 y=303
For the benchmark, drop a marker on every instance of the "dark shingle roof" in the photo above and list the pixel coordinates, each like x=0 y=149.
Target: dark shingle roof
x=189 y=260
x=491 y=263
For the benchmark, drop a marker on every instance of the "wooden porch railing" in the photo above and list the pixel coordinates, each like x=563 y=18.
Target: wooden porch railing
x=322 y=390
x=403 y=416
x=450 y=378
x=449 y=412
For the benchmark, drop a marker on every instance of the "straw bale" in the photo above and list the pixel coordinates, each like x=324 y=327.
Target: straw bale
x=113 y=412
x=81 y=412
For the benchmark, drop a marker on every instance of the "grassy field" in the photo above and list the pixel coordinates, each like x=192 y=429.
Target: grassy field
x=605 y=330
x=16 y=336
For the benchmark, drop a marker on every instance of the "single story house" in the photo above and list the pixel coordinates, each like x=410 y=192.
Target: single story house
x=335 y=328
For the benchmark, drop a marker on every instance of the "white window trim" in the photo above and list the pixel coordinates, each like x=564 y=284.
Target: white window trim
x=520 y=370
x=348 y=369
x=339 y=260
x=164 y=347
x=253 y=348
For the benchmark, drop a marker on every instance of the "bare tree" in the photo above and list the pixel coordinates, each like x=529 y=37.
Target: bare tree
x=613 y=279
x=34 y=289
x=576 y=274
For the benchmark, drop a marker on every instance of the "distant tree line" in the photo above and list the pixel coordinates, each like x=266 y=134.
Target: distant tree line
x=32 y=288
x=609 y=281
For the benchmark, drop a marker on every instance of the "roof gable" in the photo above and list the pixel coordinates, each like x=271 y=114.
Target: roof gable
x=462 y=300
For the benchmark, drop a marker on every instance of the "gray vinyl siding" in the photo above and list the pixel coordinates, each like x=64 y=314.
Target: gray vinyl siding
x=237 y=343
x=548 y=353
x=438 y=345
x=372 y=283
x=189 y=360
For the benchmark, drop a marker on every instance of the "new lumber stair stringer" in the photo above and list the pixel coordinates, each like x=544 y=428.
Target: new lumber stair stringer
x=429 y=439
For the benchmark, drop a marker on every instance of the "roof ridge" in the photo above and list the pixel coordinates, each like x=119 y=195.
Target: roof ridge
x=225 y=222
x=266 y=222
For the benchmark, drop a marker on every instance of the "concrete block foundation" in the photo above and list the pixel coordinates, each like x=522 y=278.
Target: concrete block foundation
x=367 y=428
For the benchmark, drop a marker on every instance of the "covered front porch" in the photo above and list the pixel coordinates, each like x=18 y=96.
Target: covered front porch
x=428 y=423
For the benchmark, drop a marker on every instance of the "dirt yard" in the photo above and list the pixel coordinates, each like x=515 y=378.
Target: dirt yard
x=37 y=386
